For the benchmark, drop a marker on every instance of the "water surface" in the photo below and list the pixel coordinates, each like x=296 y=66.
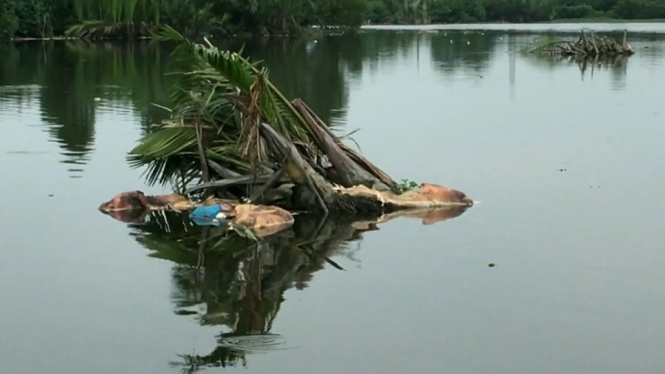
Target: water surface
x=565 y=159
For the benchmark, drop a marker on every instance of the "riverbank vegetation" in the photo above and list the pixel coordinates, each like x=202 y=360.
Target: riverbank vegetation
x=515 y=11
x=194 y=18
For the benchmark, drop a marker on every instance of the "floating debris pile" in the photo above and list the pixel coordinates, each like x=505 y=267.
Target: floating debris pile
x=234 y=137
x=588 y=45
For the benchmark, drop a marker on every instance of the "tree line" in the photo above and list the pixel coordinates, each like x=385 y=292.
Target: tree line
x=514 y=11
x=127 y=18
x=131 y=18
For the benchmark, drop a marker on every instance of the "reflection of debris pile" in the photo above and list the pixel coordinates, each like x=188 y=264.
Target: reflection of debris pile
x=238 y=285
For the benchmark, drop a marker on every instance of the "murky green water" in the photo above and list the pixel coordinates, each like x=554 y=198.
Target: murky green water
x=567 y=165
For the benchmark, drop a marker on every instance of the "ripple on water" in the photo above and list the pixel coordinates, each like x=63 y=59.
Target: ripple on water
x=113 y=106
x=28 y=152
x=20 y=100
x=113 y=99
x=76 y=161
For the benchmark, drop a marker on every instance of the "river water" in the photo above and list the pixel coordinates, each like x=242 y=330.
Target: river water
x=565 y=160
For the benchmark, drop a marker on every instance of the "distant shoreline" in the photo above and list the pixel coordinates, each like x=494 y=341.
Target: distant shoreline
x=561 y=26
x=459 y=26
x=607 y=20
x=556 y=21
x=62 y=38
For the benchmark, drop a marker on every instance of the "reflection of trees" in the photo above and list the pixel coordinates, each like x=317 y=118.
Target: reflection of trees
x=317 y=69
x=233 y=282
x=306 y=68
x=67 y=103
x=17 y=89
x=371 y=47
x=22 y=64
x=470 y=52
x=73 y=74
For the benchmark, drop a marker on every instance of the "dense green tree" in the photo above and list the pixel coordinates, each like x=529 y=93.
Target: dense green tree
x=122 y=18
x=195 y=18
x=9 y=23
x=639 y=9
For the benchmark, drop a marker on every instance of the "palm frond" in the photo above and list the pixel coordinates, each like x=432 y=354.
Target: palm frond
x=230 y=97
x=169 y=141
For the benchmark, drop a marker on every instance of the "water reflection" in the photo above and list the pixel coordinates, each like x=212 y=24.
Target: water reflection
x=617 y=66
x=576 y=274
x=76 y=81
x=469 y=52
x=310 y=69
x=73 y=83
x=318 y=70
x=67 y=104
x=238 y=285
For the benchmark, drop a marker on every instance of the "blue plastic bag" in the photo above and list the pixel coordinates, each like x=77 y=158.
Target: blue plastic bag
x=205 y=221
x=206 y=211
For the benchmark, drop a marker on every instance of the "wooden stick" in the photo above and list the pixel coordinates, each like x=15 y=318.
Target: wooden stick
x=278 y=174
x=348 y=172
x=243 y=179
x=202 y=154
x=297 y=168
x=357 y=158
x=222 y=171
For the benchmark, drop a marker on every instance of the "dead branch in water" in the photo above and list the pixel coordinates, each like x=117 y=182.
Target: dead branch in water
x=588 y=45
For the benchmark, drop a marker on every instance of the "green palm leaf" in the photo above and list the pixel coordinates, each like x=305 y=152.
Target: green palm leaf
x=229 y=97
